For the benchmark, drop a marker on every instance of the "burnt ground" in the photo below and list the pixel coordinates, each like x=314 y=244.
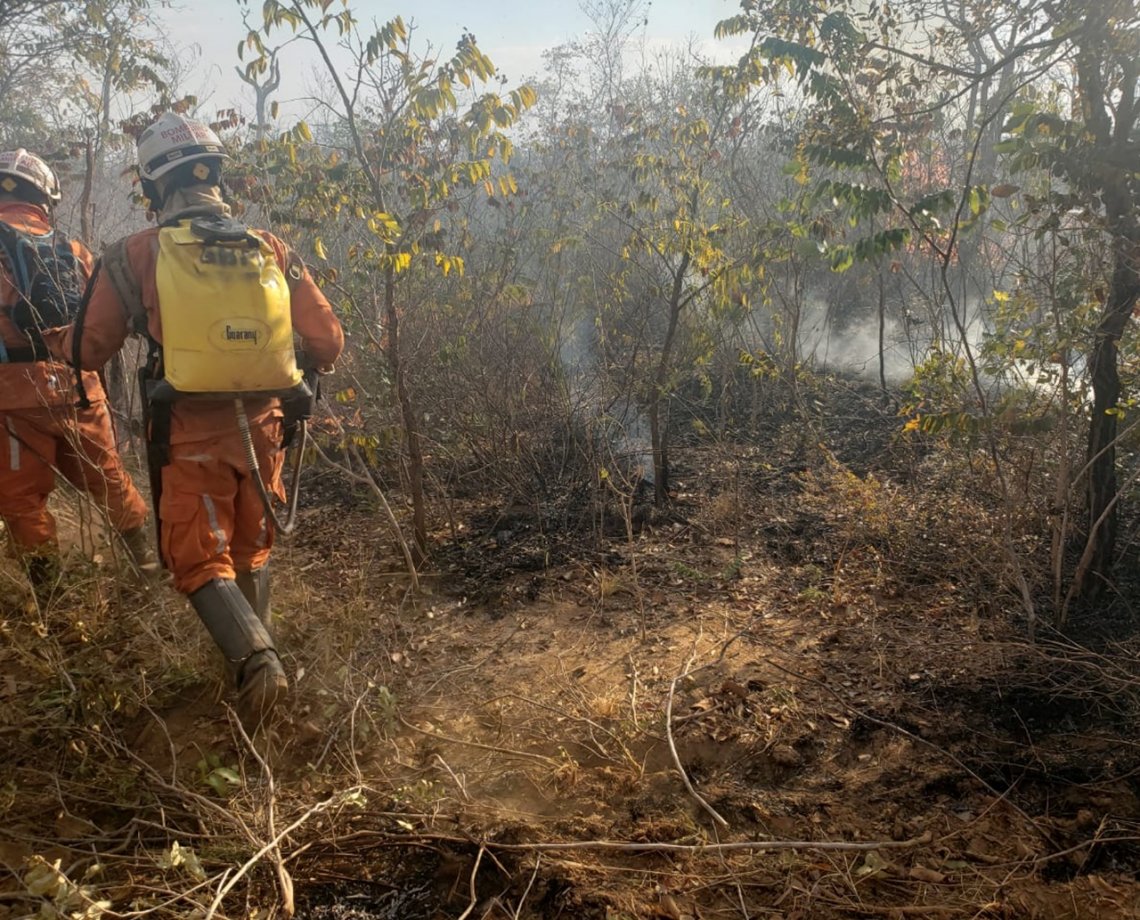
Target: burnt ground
x=823 y=632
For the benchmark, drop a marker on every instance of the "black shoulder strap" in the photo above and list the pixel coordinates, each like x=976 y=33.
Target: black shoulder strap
x=9 y=241
x=77 y=337
x=119 y=273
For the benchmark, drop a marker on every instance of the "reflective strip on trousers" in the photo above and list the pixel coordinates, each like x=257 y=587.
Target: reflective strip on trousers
x=13 y=448
x=215 y=527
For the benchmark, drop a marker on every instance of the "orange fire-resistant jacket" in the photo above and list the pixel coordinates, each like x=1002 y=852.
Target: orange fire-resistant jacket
x=210 y=514
x=43 y=431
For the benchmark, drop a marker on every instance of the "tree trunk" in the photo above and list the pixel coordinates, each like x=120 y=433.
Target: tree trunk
x=86 y=228
x=657 y=426
x=660 y=461
x=408 y=416
x=118 y=395
x=1110 y=124
x=882 y=332
x=262 y=92
x=1103 y=426
x=1102 y=464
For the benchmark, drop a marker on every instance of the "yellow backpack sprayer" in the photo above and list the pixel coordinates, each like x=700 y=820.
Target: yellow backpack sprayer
x=227 y=333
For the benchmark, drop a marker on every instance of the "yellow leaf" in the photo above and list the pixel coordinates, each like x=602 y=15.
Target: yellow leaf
x=319 y=248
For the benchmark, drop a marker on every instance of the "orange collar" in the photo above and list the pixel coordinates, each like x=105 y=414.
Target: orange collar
x=24 y=216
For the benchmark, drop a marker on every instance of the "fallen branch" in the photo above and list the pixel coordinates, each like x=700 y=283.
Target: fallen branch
x=474 y=895
x=677 y=757
x=686 y=849
x=530 y=884
x=697 y=849
x=284 y=879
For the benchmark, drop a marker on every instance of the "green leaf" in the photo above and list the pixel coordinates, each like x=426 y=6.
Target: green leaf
x=734 y=25
x=931 y=204
x=801 y=58
x=842 y=258
x=223 y=780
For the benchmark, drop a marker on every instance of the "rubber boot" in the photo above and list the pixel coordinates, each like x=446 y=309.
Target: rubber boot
x=254 y=586
x=141 y=550
x=43 y=572
x=247 y=645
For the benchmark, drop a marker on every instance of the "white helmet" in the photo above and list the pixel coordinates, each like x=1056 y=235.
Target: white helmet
x=29 y=168
x=173 y=140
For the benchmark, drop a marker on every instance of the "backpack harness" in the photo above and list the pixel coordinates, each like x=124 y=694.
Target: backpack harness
x=48 y=280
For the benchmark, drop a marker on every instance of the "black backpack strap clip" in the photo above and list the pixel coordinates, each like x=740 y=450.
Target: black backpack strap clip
x=217 y=229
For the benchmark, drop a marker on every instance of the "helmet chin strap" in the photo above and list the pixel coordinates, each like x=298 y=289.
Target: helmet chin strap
x=152 y=195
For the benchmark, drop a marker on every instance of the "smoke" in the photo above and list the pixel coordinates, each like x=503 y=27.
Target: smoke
x=854 y=349
x=632 y=441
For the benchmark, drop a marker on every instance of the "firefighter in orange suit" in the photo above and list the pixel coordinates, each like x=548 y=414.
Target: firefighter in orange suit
x=214 y=535
x=41 y=429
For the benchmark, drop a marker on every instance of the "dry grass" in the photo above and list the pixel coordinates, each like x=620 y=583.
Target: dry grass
x=841 y=671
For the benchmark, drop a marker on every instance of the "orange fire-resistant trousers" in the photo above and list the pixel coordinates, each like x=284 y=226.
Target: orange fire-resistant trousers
x=80 y=445
x=210 y=513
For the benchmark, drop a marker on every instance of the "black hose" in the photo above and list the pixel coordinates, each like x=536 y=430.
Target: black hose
x=287 y=526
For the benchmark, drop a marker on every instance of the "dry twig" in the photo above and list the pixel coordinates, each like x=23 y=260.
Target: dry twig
x=677 y=757
x=474 y=895
x=268 y=847
x=284 y=879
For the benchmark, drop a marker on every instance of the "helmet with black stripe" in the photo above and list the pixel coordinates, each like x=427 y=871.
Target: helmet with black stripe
x=22 y=170
x=174 y=140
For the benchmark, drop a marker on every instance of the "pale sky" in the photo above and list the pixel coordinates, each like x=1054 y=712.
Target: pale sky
x=513 y=33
